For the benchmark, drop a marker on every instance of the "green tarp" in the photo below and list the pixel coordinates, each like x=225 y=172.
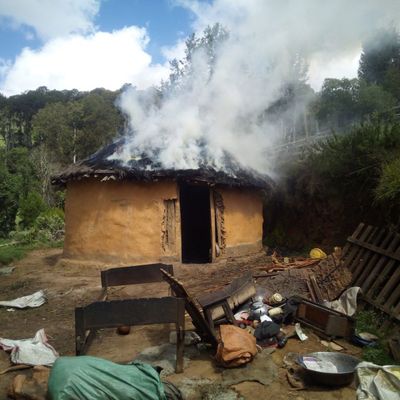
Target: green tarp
x=92 y=378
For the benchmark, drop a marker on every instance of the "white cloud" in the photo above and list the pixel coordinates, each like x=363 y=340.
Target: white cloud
x=101 y=59
x=51 y=18
x=175 y=51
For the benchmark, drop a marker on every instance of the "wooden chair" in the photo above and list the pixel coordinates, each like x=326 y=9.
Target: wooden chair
x=115 y=313
x=203 y=328
x=215 y=305
x=219 y=304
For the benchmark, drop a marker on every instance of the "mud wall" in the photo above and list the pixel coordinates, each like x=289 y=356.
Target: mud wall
x=122 y=222
x=242 y=221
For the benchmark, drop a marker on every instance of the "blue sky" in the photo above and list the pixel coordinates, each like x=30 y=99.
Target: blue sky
x=30 y=31
x=165 y=21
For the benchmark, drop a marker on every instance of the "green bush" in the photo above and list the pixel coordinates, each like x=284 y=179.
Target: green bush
x=49 y=225
x=29 y=208
x=25 y=236
x=389 y=183
x=12 y=253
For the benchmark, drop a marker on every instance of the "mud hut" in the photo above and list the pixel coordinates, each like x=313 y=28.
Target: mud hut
x=139 y=212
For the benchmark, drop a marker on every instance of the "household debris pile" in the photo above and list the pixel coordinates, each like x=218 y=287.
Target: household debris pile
x=291 y=303
x=314 y=279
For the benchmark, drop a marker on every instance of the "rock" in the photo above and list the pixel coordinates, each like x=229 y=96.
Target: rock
x=33 y=388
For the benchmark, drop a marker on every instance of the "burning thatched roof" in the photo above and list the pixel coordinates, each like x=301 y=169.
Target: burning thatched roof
x=104 y=167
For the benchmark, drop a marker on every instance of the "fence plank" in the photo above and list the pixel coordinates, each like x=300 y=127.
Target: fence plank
x=368 y=256
x=373 y=256
x=385 y=269
x=372 y=269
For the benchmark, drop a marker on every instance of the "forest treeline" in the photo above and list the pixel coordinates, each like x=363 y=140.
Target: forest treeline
x=42 y=130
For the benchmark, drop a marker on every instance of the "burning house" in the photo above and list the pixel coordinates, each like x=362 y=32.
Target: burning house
x=140 y=212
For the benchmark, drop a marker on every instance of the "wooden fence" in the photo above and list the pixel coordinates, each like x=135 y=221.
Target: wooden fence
x=373 y=256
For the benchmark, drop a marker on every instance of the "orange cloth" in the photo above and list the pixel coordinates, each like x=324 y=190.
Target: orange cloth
x=237 y=346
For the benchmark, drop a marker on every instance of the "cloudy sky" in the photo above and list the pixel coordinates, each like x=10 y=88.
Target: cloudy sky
x=84 y=44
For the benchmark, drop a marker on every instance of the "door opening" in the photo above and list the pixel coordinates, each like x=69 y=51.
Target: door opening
x=195 y=223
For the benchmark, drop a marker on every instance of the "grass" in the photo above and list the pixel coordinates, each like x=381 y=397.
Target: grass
x=13 y=252
x=371 y=321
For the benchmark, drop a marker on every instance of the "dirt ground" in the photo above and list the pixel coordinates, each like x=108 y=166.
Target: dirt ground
x=69 y=286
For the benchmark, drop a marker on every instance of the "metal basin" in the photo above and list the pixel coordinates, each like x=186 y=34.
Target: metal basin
x=344 y=364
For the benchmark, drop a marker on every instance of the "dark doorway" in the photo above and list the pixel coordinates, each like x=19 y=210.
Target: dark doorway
x=195 y=223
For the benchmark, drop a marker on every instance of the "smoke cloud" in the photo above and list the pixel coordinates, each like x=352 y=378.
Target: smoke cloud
x=224 y=113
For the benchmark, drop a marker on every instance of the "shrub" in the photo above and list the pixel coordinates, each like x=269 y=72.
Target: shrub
x=23 y=236
x=389 y=183
x=49 y=225
x=30 y=207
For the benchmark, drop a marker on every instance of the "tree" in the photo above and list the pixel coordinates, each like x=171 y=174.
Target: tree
x=101 y=122
x=374 y=100
x=74 y=130
x=52 y=129
x=17 y=179
x=380 y=61
x=208 y=43
x=30 y=207
x=337 y=103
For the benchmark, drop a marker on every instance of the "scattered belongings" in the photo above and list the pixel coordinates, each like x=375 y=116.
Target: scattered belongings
x=378 y=382
x=275 y=300
x=236 y=347
x=347 y=302
x=266 y=333
x=34 y=351
x=331 y=345
x=6 y=270
x=364 y=339
x=301 y=335
x=324 y=320
x=88 y=378
x=329 y=368
x=282 y=263
x=34 y=300
x=317 y=254
x=123 y=330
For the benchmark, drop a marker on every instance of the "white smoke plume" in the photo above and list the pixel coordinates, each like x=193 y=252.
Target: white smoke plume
x=221 y=114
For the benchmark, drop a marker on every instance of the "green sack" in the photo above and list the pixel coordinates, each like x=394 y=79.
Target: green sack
x=92 y=378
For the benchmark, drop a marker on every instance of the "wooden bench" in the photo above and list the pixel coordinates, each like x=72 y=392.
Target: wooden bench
x=138 y=274
x=131 y=312
x=121 y=276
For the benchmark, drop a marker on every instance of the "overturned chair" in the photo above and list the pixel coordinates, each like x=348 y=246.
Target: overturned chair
x=130 y=312
x=206 y=309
